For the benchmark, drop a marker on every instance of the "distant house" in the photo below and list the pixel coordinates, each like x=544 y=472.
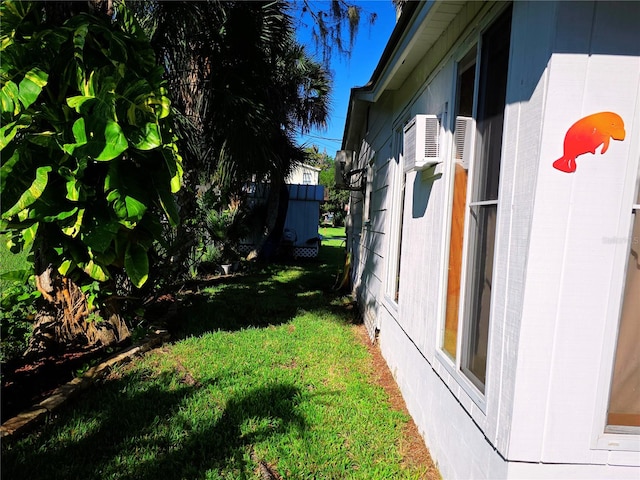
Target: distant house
x=494 y=232
x=303 y=174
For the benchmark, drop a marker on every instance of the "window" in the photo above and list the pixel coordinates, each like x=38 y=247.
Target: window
x=396 y=213
x=368 y=190
x=306 y=178
x=623 y=415
x=464 y=108
x=481 y=80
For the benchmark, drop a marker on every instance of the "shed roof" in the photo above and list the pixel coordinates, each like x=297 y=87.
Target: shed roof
x=306 y=192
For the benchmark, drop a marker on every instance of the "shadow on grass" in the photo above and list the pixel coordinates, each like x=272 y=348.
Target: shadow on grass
x=271 y=296
x=144 y=435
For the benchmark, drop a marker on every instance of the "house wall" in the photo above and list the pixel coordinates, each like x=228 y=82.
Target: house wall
x=552 y=327
x=297 y=175
x=574 y=279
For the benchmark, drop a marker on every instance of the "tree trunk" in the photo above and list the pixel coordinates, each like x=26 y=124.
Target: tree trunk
x=277 y=205
x=63 y=322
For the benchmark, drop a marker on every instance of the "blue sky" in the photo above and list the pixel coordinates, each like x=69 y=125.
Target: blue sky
x=353 y=72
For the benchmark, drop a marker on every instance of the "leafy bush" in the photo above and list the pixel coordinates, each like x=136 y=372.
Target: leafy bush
x=89 y=159
x=17 y=312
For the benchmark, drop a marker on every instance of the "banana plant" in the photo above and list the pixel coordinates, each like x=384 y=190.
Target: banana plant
x=89 y=160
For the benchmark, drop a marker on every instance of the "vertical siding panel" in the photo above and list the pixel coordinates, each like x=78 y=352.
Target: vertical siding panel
x=532 y=34
x=611 y=83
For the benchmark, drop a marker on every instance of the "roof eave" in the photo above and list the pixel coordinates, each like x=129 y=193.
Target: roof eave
x=414 y=16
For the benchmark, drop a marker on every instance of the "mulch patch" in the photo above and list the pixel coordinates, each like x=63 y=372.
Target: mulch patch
x=25 y=382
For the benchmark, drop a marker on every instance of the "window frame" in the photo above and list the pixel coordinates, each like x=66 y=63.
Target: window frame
x=455 y=367
x=452 y=366
x=368 y=191
x=396 y=218
x=601 y=438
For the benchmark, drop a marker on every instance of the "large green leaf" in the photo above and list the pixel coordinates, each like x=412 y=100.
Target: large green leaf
x=9 y=98
x=161 y=104
x=73 y=189
x=169 y=205
x=100 y=139
x=8 y=131
x=79 y=39
x=45 y=139
x=78 y=101
x=29 y=235
x=74 y=229
x=115 y=142
x=31 y=86
x=100 y=235
x=7 y=167
x=80 y=136
x=96 y=271
x=147 y=138
x=31 y=194
x=136 y=264
x=173 y=162
x=59 y=216
x=135 y=208
x=66 y=267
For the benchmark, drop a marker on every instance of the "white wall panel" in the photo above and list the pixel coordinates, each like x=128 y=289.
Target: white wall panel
x=552 y=287
x=570 y=267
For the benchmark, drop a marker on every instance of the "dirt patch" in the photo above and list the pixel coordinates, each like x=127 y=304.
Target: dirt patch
x=412 y=447
x=26 y=382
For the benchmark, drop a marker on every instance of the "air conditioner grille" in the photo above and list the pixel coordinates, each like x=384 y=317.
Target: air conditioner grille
x=462 y=140
x=409 y=147
x=432 y=138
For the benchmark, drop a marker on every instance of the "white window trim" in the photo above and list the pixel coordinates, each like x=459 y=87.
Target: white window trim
x=601 y=440
x=394 y=222
x=467 y=389
x=454 y=368
x=368 y=192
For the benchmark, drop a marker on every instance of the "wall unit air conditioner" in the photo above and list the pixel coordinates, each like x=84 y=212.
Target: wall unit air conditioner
x=463 y=141
x=422 y=142
x=343 y=164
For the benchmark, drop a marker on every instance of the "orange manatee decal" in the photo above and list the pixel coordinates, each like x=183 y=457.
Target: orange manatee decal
x=586 y=135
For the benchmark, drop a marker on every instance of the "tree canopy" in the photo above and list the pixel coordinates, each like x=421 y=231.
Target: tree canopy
x=90 y=166
x=88 y=154
x=97 y=161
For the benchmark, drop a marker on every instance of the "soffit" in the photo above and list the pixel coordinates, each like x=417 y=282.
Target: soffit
x=429 y=22
x=410 y=41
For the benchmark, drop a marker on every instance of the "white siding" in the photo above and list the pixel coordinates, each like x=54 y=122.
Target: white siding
x=304 y=175
x=570 y=267
x=556 y=285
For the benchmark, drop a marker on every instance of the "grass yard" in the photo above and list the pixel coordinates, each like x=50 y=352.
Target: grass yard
x=332 y=236
x=10 y=261
x=265 y=378
x=16 y=303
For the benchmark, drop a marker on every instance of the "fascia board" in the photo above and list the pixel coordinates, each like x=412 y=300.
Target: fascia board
x=406 y=43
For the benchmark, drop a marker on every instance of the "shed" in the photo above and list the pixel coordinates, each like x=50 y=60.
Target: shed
x=303 y=216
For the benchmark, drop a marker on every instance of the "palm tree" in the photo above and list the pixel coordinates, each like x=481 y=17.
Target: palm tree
x=242 y=85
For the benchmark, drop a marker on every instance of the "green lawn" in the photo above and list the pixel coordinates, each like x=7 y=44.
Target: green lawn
x=10 y=261
x=332 y=235
x=16 y=304
x=265 y=369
